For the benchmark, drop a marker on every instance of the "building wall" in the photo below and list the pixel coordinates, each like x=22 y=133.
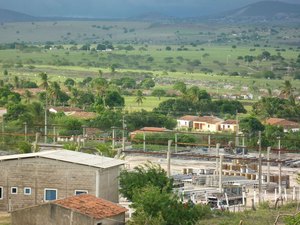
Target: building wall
x=116 y=220
x=49 y=214
x=40 y=173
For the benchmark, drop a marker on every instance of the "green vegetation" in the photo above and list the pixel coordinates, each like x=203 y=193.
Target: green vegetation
x=262 y=216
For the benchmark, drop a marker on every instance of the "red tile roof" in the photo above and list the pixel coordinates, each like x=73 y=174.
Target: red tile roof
x=83 y=115
x=282 y=122
x=153 y=129
x=209 y=119
x=91 y=206
x=229 y=122
x=189 y=118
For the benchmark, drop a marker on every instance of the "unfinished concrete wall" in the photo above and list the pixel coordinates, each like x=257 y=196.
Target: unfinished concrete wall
x=40 y=173
x=49 y=214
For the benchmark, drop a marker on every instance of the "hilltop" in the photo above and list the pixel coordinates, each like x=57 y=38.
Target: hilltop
x=13 y=16
x=268 y=10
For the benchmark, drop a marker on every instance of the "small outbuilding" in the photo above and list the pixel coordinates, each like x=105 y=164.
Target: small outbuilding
x=76 y=210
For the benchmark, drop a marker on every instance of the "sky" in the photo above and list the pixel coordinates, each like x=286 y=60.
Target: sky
x=123 y=8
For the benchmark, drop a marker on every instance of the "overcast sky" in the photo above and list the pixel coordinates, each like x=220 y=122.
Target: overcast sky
x=123 y=8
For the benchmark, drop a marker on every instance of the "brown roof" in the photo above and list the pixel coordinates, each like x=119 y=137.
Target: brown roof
x=229 y=122
x=189 y=118
x=153 y=129
x=83 y=115
x=92 y=206
x=282 y=122
x=209 y=119
x=66 y=109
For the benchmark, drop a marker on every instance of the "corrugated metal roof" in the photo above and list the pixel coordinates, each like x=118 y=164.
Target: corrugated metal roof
x=71 y=157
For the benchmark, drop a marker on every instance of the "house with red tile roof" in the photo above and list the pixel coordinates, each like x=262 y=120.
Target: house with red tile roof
x=75 y=210
x=207 y=124
x=186 y=122
x=147 y=130
x=229 y=126
x=286 y=124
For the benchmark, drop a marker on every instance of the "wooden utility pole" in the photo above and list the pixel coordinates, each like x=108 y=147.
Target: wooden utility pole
x=220 y=173
x=268 y=164
x=169 y=158
x=279 y=167
x=259 y=168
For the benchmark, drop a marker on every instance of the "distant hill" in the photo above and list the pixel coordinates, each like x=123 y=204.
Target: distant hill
x=265 y=10
x=12 y=16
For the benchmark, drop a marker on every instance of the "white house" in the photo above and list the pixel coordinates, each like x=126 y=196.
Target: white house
x=186 y=122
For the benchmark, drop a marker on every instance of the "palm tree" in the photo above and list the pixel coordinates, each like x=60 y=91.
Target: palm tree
x=28 y=96
x=287 y=90
x=54 y=91
x=44 y=78
x=101 y=85
x=139 y=97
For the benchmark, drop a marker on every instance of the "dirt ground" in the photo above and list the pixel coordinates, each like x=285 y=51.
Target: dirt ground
x=5 y=218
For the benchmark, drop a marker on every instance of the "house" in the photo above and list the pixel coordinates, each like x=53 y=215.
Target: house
x=207 y=124
x=147 y=130
x=75 y=210
x=286 y=124
x=186 y=122
x=34 y=178
x=229 y=126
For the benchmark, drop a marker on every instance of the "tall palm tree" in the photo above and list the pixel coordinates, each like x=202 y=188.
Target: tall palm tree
x=44 y=78
x=100 y=85
x=54 y=92
x=28 y=96
x=287 y=91
x=139 y=97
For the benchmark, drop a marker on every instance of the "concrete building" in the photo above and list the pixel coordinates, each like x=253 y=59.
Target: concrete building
x=35 y=178
x=75 y=210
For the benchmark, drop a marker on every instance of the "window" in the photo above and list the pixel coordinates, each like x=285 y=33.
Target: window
x=50 y=194
x=27 y=191
x=1 y=192
x=80 y=192
x=14 y=190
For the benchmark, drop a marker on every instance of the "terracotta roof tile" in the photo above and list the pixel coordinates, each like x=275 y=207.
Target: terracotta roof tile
x=189 y=118
x=282 y=122
x=209 y=119
x=229 y=122
x=153 y=129
x=91 y=206
x=83 y=115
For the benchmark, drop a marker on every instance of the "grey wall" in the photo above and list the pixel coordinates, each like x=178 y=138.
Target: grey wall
x=40 y=173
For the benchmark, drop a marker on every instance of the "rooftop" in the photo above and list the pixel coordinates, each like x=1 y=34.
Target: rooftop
x=189 y=118
x=282 y=122
x=70 y=157
x=209 y=119
x=92 y=206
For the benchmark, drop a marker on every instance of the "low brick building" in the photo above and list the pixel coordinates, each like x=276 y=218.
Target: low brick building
x=76 y=210
x=35 y=178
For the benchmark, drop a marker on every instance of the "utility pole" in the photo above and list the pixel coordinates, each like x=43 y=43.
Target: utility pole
x=113 y=137
x=123 y=133
x=217 y=158
x=209 y=142
x=176 y=140
x=259 y=168
x=279 y=166
x=169 y=158
x=220 y=173
x=268 y=164
x=25 y=130
x=46 y=103
x=237 y=131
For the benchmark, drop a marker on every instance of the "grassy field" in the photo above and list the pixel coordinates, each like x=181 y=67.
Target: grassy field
x=148 y=104
x=262 y=216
